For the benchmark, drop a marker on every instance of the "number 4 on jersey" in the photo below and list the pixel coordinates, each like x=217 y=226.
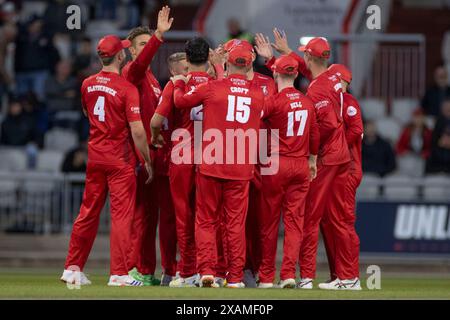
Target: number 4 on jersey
x=99 y=109
x=296 y=116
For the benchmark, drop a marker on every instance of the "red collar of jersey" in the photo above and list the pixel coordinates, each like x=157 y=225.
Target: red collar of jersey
x=239 y=76
x=198 y=74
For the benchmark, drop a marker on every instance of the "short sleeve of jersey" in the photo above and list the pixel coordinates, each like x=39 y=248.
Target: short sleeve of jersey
x=131 y=97
x=166 y=101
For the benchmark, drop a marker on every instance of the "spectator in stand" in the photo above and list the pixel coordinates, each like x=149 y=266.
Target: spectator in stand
x=436 y=94
x=18 y=128
x=377 y=154
x=8 y=33
x=34 y=57
x=61 y=89
x=84 y=60
x=55 y=17
x=439 y=160
x=236 y=32
x=415 y=138
x=75 y=160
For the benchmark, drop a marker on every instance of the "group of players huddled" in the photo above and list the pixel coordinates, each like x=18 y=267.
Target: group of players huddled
x=218 y=203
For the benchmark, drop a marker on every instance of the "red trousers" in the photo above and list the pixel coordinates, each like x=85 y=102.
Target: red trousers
x=326 y=227
x=284 y=192
x=233 y=195
x=121 y=183
x=152 y=200
x=253 y=230
x=182 y=186
x=327 y=193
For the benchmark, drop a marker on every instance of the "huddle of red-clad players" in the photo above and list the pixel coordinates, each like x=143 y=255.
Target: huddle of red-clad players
x=219 y=200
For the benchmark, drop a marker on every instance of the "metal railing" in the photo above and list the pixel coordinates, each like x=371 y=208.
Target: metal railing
x=44 y=203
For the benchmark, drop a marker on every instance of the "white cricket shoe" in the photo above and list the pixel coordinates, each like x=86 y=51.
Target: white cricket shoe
x=287 y=284
x=249 y=279
x=348 y=284
x=221 y=282
x=236 y=285
x=75 y=277
x=306 y=283
x=181 y=282
x=265 y=285
x=124 y=281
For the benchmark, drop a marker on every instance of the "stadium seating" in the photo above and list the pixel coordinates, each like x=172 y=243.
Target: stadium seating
x=373 y=109
x=436 y=188
x=402 y=109
x=12 y=159
x=49 y=161
x=411 y=165
x=369 y=188
x=400 y=187
x=389 y=129
x=60 y=140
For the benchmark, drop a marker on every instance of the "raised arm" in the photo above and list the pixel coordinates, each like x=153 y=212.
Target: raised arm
x=139 y=66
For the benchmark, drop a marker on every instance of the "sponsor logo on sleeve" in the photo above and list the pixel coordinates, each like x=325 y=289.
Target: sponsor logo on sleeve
x=351 y=111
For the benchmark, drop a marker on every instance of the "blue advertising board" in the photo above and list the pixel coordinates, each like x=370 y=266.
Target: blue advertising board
x=404 y=227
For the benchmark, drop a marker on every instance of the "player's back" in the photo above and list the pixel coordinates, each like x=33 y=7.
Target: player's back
x=233 y=103
x=265 y=83
x=326 y=93
x=293 y=115
x=106 y=96
x=185 y=117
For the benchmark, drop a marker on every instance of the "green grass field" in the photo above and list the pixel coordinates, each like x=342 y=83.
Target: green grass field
x=44 y=284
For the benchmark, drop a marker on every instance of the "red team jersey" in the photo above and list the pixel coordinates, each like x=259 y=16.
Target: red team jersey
x=265 y=83
x=326 y=93
x=294 y=116
x=183 y=117
x=230 y=103
x=353 y=130
x=139 y=74
x=111 y=102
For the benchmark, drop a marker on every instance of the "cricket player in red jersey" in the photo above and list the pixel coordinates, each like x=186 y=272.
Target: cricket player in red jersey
x=353 y=133
x=112 y=105
x=152 y=199
x=231 y=105
x=325 y=90
x=293 y=116
x=253 y=236
x=182 y=167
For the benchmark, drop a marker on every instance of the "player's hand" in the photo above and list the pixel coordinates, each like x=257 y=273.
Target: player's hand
x=149 y=169
x=215 y=58
x=263 y=46
x=312 y=163
x=180 y=77
x=164 y=22
x=158 y=141
x=281 y=42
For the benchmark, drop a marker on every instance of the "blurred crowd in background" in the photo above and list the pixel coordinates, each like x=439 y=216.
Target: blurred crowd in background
x=42 y=65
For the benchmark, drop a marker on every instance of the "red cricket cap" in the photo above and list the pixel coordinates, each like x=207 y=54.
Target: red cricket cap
x=317 y=47
x=109 y=45
x=285 y=65
x=240 y=53
x=341 y=71
x=230 y=44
